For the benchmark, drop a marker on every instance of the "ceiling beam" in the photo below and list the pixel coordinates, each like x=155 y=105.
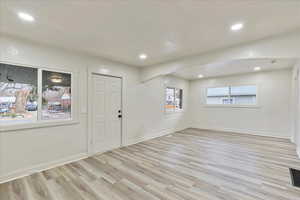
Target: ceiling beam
x=283 y=46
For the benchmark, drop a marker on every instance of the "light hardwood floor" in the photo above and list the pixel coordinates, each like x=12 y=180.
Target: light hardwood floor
x=191 y=164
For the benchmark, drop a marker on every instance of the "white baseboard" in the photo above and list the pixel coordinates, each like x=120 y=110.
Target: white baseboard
x=42 y=167
x=149 y=136
x=258 y=133
x=38 y=168
x=244 y=131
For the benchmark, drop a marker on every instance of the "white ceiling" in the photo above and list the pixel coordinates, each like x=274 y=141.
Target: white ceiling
x=233 y=67
x=165 y=30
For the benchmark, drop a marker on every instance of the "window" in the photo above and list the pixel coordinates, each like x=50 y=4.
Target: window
x=173 y=99
x=218 y=95
x=232 y=95
x=18 y=94
x=30 y=95
x=56 y=103
x=243 y=95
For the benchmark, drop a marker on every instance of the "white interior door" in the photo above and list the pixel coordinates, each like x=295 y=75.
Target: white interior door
x=107 y=113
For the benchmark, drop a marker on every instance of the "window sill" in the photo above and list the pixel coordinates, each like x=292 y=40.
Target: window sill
x=34 y=125
x=174 y=112
x=231 y=106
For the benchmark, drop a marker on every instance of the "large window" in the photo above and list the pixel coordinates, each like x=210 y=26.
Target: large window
x=30 y=94
x=173 y=99
x=232 y=95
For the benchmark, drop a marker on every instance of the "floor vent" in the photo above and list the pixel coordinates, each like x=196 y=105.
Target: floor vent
x=295 y=175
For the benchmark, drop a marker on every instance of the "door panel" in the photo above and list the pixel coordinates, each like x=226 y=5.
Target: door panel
x=106 y=125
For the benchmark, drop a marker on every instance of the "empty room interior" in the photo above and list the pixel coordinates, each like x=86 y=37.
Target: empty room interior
x=146 y=99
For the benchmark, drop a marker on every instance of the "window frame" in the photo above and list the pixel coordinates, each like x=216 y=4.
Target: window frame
x=165 y=97
x=46 y=123
x=256 y=105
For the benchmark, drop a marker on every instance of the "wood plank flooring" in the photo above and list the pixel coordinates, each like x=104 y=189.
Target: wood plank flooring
x=191 y=164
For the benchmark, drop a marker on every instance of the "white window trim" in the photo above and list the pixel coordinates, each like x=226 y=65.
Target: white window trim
x=231 y=106
x=257 y=105
x=47 y=123
x=174 y=110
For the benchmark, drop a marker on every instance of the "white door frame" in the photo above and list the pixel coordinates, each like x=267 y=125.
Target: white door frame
x=90 y=110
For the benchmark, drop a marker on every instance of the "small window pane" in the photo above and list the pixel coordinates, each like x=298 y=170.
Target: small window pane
x=56 y=102
x=170 y=98
x=218 y=95
x=18 y=94
x=243 y=95
x=178 y=99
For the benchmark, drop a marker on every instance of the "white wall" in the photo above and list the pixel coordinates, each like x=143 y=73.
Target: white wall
x=296 y=107
x=155 y=121
x=271 y=118
x=294 y=103
x=25 y=151
x=34 y=148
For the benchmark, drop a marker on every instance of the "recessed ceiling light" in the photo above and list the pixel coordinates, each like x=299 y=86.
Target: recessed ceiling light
x=237 y=27
x=200 y=76
x=257 y=68
x=26 y=17
x=104 y=71
x=56 y=79
x=143 y=56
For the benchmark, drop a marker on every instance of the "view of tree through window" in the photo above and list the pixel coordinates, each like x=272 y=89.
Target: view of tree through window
x=25 y=97
x=56 y=103
x=173 y=99
x=18 y=94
